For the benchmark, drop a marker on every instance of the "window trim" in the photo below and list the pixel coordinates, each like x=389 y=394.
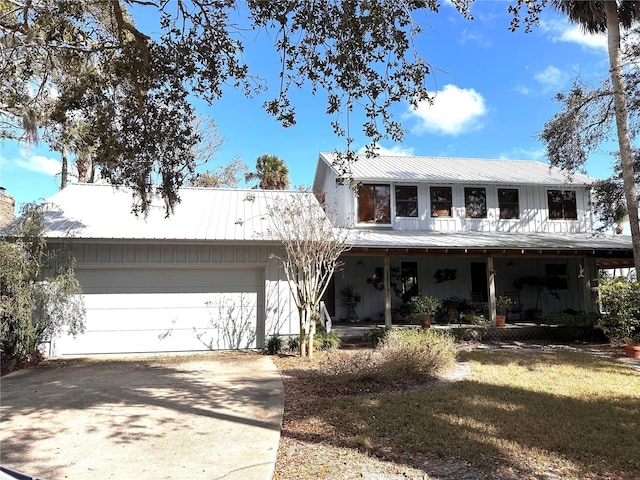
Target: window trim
x=417 y=200
x=373 y=222
x=500 y=204
x=563 y=208
x=432 y=204
x=466 y=205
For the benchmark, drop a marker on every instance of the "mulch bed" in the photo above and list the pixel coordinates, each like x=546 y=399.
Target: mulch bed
x=307 y=450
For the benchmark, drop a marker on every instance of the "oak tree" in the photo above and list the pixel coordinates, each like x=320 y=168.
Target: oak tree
x=68 y=63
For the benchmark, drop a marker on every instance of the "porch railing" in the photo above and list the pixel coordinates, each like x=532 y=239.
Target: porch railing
x=326 y=318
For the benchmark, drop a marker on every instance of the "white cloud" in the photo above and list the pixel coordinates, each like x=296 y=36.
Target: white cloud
x=474 y=37
x=551 y=78
x=38 y=164
x=453 y=111
x=562 y=31
x=527 y=154
x=396 y=151
x=575 y=34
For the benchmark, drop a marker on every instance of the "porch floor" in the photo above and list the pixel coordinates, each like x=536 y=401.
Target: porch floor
x=355 y=333
x=348 y=329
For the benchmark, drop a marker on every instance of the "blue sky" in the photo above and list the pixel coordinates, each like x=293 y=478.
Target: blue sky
x=494 y=91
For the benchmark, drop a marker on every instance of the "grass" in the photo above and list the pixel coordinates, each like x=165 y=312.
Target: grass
x=517 y=415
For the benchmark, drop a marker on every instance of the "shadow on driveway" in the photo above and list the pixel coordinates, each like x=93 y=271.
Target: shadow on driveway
x=209 y=415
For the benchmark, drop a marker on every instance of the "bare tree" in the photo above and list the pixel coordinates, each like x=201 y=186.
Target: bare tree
x=312 y=248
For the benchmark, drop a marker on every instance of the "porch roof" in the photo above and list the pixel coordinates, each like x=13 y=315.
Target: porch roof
x=497 y=243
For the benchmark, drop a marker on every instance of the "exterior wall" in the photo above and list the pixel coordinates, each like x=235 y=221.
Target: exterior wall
x=371 y=307
x=280 y=314
x=534 y=212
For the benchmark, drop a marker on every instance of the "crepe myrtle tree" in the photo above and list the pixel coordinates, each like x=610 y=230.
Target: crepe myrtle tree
x=131 y=90
x=311 y=250
x=39 y=293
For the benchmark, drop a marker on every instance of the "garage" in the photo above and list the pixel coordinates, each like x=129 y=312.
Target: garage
x=151 y=309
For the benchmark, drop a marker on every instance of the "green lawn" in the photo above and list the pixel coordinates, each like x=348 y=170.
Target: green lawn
x=572 y=414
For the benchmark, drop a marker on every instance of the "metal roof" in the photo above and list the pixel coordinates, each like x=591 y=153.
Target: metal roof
x=495 y=241
x=93 y=211
x=457 y=170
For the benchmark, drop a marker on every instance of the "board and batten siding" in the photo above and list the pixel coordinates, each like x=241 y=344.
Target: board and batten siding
x=357 y=269
x=534 y=211
x=144 y=297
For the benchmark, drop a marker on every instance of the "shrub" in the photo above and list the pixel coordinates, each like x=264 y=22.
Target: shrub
x=620 y=304
x=273 y=345
x=416 y=354
x=323 y=340
x=473 y=334
x=349 y=366
x=476 y=320
x=293 y=344
x=375 y=336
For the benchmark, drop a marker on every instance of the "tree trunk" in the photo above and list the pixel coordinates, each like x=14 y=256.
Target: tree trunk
x=622 y=127
x=65 y=169
x=306 y=338
x=312 y=331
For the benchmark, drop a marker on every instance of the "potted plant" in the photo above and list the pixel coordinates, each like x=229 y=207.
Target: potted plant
x=539 y=284
x=450 y=308
x=465 y=306
x=350 y=295
x=423 y=309
x=619 y=300
x=503 y=305
x=632 y=347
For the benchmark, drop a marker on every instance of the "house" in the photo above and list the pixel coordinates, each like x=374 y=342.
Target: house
x=205 y=278
x=199 y=279
x=470 y=229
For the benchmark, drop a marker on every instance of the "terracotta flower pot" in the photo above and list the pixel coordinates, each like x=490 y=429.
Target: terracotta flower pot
x=425 y=322
x=500 y=319
x=632 y=351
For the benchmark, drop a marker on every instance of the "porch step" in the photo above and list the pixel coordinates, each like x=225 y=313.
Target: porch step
x=354 y=341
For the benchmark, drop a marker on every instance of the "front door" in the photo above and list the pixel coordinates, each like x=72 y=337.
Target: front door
x=479 y=280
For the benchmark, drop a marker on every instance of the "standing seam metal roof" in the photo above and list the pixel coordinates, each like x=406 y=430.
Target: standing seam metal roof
x=458 y=170
x=103 y=212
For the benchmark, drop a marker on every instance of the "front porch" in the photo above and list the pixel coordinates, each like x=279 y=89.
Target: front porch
x=359 y=334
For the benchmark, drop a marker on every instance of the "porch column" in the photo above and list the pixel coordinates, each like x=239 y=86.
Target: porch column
x=492 y=290
x=589 y=306
x=387 y=291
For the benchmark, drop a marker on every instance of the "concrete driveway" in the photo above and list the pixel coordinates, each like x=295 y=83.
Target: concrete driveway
x=199 y=416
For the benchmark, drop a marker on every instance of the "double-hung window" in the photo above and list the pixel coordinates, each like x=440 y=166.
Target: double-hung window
x=441 y=200
x=406 y=201
x=374 y=204
x=508 y=203
x=562 y=204
x=475 y=202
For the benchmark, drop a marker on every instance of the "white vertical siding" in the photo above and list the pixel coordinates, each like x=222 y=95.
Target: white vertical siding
x=358 y=268
x=534 y=211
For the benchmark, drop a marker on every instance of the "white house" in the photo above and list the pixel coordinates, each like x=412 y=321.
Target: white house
x=470 y=229
x=199 y=279
x=203 y=278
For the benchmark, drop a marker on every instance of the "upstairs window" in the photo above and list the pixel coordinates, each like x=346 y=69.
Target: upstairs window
x=374 y=204
x=475 y=202
x=406 y=201
x=562 y=205
x=508 y=203
x=441 y=201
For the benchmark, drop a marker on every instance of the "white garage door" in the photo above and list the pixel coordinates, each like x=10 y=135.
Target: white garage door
x=167 y=310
